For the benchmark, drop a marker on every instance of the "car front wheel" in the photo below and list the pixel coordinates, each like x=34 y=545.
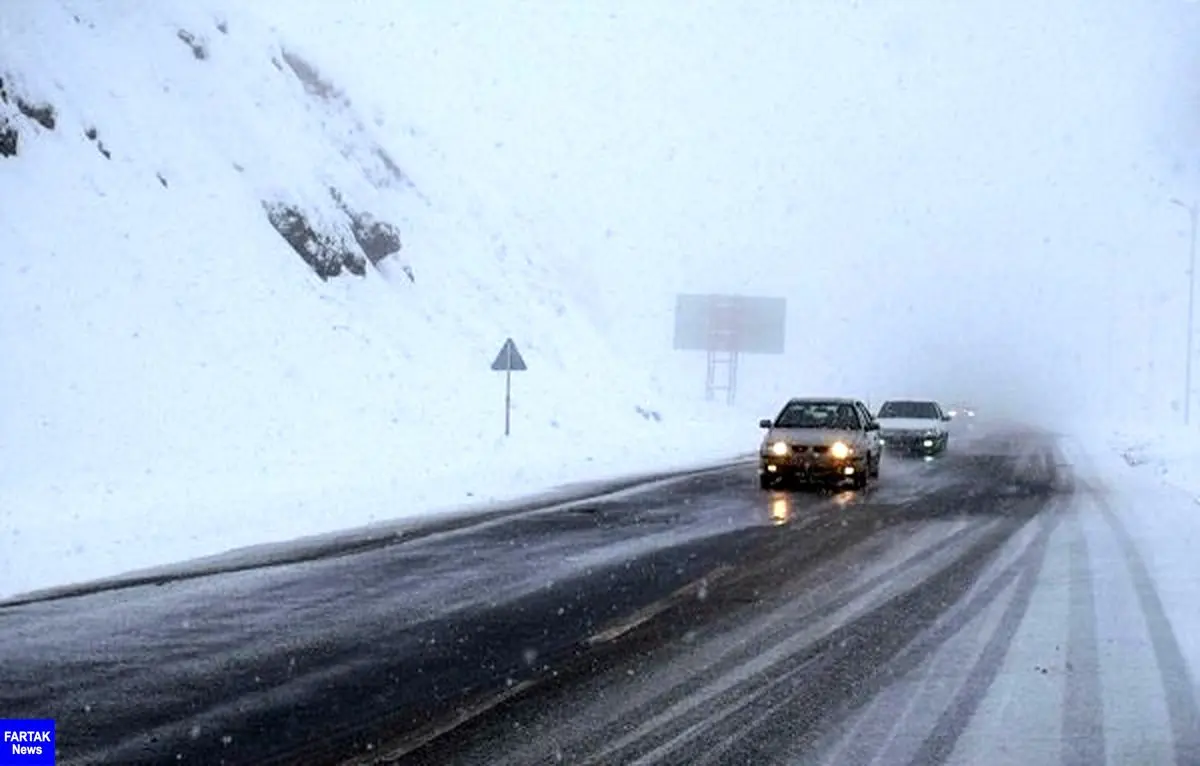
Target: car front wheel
x=860 y=476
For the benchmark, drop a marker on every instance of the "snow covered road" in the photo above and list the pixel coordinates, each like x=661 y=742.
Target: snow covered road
x=1004 y=604
x=1021 y=616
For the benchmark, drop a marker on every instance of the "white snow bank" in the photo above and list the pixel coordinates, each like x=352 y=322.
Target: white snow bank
x=178 y=382
x=1171 y=454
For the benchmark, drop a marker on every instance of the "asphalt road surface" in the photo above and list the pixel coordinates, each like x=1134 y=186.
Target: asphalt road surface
x=949 y=614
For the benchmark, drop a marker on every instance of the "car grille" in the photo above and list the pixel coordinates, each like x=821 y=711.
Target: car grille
x=800 y=449
x=904 y=437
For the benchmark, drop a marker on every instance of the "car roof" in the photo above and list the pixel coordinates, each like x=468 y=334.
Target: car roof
x=913 y=399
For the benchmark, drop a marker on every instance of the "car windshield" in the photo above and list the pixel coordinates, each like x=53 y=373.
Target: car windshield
x=817 y=415
x=915 y=410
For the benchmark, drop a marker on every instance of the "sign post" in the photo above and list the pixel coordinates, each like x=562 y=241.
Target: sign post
x=508 y=361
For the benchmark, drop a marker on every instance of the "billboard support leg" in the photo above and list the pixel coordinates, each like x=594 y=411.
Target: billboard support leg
x=728 y=382
x=710 y=380
x=731 y=388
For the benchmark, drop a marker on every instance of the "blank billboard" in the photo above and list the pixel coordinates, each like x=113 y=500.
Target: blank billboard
x=738 y=323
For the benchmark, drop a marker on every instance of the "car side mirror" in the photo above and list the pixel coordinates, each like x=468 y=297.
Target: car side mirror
x=872 y=426
x=764 y=423
x=947 y=418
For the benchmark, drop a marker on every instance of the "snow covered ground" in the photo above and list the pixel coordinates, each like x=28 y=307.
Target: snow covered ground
x=1147 y=485
x=178 y=381
x=1171 y=455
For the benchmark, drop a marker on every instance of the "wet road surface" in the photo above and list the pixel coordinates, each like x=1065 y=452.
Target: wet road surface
x=925 y=620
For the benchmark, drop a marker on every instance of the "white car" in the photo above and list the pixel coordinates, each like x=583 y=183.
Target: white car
x=819 y=440
x=961 y=411
x=914 y=426
x=962 y=418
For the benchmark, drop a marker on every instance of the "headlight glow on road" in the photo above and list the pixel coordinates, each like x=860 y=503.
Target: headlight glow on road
x=840 y=451
x=779 y=448
x=780 y=511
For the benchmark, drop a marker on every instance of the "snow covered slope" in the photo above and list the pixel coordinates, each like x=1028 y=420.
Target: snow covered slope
x=178 y=379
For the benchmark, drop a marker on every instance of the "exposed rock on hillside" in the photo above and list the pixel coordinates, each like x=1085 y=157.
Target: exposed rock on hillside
x=8 y=138
x=378 y=239
x=327 y=254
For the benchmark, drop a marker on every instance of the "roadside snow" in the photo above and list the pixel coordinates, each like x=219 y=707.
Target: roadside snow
x=179 y=382
x=1150 y=482
x=1171 y=454
x=76 y=533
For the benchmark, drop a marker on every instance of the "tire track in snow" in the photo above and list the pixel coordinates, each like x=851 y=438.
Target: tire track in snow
x=1177 y=684
x=853 y=663
x=731 y=681
x=1083 y=708
x=939 y=744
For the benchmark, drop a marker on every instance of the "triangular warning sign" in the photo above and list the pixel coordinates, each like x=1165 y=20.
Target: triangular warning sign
x=509 y=358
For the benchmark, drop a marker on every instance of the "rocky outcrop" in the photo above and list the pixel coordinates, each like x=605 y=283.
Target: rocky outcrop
x=378 y=239
x=326 y=248
x=199 y=49
x=328 y=255
x=9 y=138
x=41 y=113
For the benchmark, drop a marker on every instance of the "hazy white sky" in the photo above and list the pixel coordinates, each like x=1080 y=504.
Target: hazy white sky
x=975 y=191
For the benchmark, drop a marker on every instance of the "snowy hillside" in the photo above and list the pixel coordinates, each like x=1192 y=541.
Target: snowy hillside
x=996 y=177
x=232 y=302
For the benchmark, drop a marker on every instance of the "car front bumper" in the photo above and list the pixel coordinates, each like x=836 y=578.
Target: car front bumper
x=809 y=468
x=911 y=443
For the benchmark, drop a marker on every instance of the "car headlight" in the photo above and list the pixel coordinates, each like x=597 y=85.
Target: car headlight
x=840 y=450
x=779 y=448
